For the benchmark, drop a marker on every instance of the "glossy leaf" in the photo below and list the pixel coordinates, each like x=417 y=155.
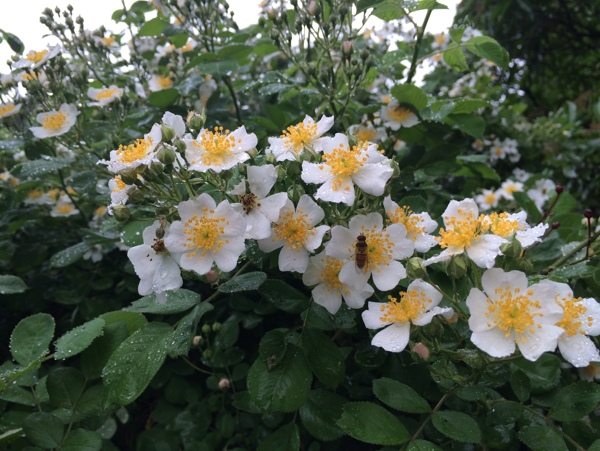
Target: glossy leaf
x=82 y=440
x=44 y=430
x=11 y=284
x=31 y=337
x=245 y=282
x=177 y=302
x=371 y=423
x=283 y=296
x=186 y=330
x=324 y=357
x=410 y=94
x=542 y=438
x=575 y=401
x=321 y=412
x=65 y=386
x=286 y=437
x=75 y=341
x=399 y=396
x=457 y=425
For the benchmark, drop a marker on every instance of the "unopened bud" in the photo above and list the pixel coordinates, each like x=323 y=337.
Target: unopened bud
x=128 y=176
x=314 y=9
x=212 y=276
x=555 y=225
x=206 y=329
x=166 y=155
x=347 y=48
x=456 y=267
x=135 y=195
x=512 y=249
x=197 y=340
x=422 y=351
x=216 y=327
x=524 y=265
x=195 y=120
x=167 y=133
x=588 y=213
x=180 y=145
x=121 y=213
x=415 y=268
x=295 y=192
x=559 y=189
x=224 y=384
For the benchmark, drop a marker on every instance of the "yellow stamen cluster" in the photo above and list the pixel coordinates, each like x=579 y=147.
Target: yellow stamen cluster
x=294 y=229
x=399 y=113
x=164 y=81
x=120 y=184
x=54 y=121
x=107 y=93
x=5 y=109
x=379 y=248
x=330 y=275
x=344 y=161
x=217 y=146
x=501 y=225
x=413 y=223
x=134 y=152
x=574 y=313
x=490 y=198
x=460 y=232
x=365 y=134
x=513 y=311
x=299 y=135
x=412 y=303
x=35 y=194
x=205 y=233
x=65 y=209
x=36 y=57
x=108 y=41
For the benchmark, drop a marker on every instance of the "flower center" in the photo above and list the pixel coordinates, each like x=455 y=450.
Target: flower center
x=217 y=146
x=379 y=248
x=106 y=93
x=249 y=202
x=120 y=184
x=509 y=189
x=344 y=161
x=108 y=41
x=36 y=57
x=365 y=134
x=574 y=312
x=136 y=151
x=294 y=229
x=5 y=109
x=399 y=113
x=330 y=274
x=499 y=151
x=54 y=121
x=64 y=209
x=164 y=82
x=35 y=194
x=513 y=311
x=459 y=232
x=205 y=234
x=490 y=198
x=411 y=304
x=502 y=226
x=403 y=215
x=100 y=210
x=299 y=135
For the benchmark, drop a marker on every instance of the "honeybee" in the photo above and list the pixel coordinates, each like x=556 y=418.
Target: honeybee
x=361 y=257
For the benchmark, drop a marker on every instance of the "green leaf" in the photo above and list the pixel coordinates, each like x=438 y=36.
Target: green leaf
x=238 y=52
x=575 y=401
x=163 y=98
x=245 y=282
x=272 y=348
x=519 y=382
x=504 y=412
x=471 y=124
x=544 y=373
x=31 y=337
x=265 y=47
x=44 y=430
x=82 y=440
x=525 y=202
x=186 y=330
x=75 y=341
x=69 y=255
x=458 y=426
x=456 y=34
x=370 y=423
x=284 y=296
x=177 y=302
x=410 y=94
x=18 y=395
x=36 y=168
x=422 y=445
x=324 y=357
x=14 y=373
x=389 y=11
x=95 y=357
x=363 y=5
x=14 y=42
x=488 y=48
x=428 y=4
x=135 y=362
x=219 y=67
x=542 y=438
x=133 y=321
x=321 y=412
x=84 y=182
x=455 y=58
x=131 y=235
x=65 y=386
x=283 y=388
x=468 y=105
x=399 y=396
x=11 y=284
x=284 y=438
x=243 y=401
x=153 y=27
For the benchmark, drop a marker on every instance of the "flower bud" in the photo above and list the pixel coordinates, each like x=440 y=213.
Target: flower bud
x=559 y=189
x=212 y=276
x=456 y=267
x=224 y=384
x=128 y=176
x=155 y=169
x=166 y=155
x=216 y=327
x=197 y=340
x=524 y=265
x=121 y=213
x=512 y=249
x=314 y=9
x=347 y=48
x=422 y=351
x=195 y=120
x=206 y=329
x=415 y=268
x=295 y=192
x=167 y=133
x=588 y=213
x=135 y=195
x=180 y=145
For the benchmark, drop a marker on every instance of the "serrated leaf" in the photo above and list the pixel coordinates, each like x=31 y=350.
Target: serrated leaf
x=422 y=445
x=283 y=296
x=78 y=339
x=135 y=362
x=31 y=337
x=321 y=412
x=69 y=255
x=370 y=423
x=82 y=440
x=272 y=348
x=176 y=302
x=399 y=396
x=456 y=34
x=504 y=412
x=283 y=388
x=163 y=98
x=18 y=395
x=65 y=386
x=11 y=284
x=284 y=438
x=219 y=67
x=183 y=334
x=131 y=235
x=153 y=27
x=544 y=373
x=519 y=382
x=324 y=357
x=389 y=11
x=575 y=401
x=457 y=425
x=36 y=168
x=428 y=4
x=455 y=58
x=488 y=48
x=44 y=430
x=238 y=52
x=471 y=124
x=410 y=94
x=245 y=282
x=541 y=438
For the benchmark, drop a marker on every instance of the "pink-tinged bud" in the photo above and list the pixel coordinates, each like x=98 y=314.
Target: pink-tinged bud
x=224 y=384
x=559 y=189
x=211 y=276
x=421 y=350
x=197 y=340
x=271 y=13
x=347 y=47
x=314 y=8
x=588 y=213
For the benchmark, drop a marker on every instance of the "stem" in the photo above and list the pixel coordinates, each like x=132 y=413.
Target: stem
x=413 y=64
x=570 y=254
x=560 y=431
x=238 y=112
x=437 y=407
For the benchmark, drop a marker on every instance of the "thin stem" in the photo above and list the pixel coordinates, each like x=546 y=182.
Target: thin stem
x=437 y=407
x=573 y=251
x=238 y=112
x=413 y=64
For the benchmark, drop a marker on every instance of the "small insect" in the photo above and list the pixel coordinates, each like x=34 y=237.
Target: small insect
x=361 y=257
x=159 y=244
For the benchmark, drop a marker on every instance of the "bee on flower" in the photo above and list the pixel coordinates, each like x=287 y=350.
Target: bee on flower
x=55 y=123
x=300 y=137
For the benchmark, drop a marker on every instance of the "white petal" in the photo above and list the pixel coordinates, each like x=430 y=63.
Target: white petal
x=342 y=243
x=430 y=292
x=315 y=240
x=478 y=307
x=315 y=173
x=314 y=213
x=356 y=298
x=324 y=124
x=200 y=265
x=271 y=206
x=372 y=178
x=372 y=316
x=496 y=278
x=544 y=340
x=337 y=190
x=261 y=179
x=393 y=338
x=387 y=277
x=578 y=350
x=494 y=343
x=425 y=318
x=227 y=257
x=258 y=226
x=330 y=299
x=467 y=207
x=484 y=250
x=291 y=260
